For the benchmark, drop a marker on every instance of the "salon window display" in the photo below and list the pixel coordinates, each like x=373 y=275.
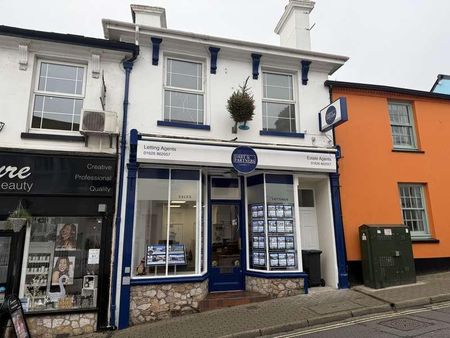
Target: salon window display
x=62 y=254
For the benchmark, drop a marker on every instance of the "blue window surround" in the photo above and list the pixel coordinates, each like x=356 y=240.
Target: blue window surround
x=256 y=58
x=305 y=71
x=183 y=125
x=213 y=51
x=280 y=133
x=339 y=231
x=165 y=280
x=155 y=57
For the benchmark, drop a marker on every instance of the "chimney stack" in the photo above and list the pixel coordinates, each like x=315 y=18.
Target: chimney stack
x=293 y=27
x=149 y=16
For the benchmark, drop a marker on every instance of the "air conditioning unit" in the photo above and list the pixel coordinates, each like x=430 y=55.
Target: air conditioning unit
x=99 y=122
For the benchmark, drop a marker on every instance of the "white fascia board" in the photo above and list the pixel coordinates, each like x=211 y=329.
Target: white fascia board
x=125 y=28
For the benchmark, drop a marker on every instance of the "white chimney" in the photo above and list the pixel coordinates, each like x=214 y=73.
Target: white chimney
x=149 y=16
x=293 y=26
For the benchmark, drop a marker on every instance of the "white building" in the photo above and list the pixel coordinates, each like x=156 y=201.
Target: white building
x=62 y=178
x=192 y=223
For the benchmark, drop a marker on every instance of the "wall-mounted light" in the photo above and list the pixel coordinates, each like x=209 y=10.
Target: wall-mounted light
x=2 y=124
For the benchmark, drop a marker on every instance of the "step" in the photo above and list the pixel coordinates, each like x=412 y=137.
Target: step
x=219 y=300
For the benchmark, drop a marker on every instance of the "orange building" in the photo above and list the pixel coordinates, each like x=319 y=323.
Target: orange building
x=395 y=168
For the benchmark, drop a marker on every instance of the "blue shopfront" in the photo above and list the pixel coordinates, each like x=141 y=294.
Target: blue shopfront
x=205 y=217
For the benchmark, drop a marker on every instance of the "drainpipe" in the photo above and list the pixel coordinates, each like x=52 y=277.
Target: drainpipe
x=128 y=66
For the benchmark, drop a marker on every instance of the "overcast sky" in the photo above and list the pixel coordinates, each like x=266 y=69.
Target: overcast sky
x=403 y=43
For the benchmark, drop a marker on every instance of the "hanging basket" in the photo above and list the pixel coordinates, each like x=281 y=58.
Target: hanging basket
x=16 y=224
x=241 y=106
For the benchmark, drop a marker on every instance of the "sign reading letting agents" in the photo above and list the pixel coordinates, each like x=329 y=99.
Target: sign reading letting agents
x=333 y=115
x=219 y=156
x=244 y=160
x=51 y=174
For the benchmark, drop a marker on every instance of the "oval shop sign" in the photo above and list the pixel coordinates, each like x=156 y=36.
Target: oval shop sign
x=244 y=160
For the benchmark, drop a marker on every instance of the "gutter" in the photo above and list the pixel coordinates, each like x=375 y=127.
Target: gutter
x=128 y=66
x=70 y=39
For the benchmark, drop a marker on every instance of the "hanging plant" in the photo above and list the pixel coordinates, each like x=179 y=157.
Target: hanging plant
x=18 y=218
x=241 y=106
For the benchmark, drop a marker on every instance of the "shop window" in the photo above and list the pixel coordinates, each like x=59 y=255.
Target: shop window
x=272 y=227
x=278 y=103
x=61 y=264
x=183 y=92
x=414 y=210
x=58 y=96
x=167 y=235
x=402 y=125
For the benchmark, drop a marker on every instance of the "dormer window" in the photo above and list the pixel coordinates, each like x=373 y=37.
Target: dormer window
x=184 y=92
x=58 y=96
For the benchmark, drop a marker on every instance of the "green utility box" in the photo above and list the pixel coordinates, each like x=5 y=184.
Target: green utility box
x=387 y=257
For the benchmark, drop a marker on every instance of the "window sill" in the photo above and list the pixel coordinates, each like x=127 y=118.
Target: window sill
x=399 y=150
x=59 y=311
x=183 y=125
x=168 y=280
x=278 y=274
x=281 y=133
x=52 y=137
x=424 y=240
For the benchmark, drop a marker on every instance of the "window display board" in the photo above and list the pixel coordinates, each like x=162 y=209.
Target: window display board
x=257 y=236
x=156 y=254
x=280 y=224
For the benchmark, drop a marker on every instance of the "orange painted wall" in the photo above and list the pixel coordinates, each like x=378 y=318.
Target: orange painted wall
x=370 y=171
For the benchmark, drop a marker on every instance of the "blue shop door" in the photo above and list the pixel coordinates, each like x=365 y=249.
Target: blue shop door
x=225 y=268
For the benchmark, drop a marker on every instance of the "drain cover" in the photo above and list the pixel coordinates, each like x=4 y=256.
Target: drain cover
x=404 y=324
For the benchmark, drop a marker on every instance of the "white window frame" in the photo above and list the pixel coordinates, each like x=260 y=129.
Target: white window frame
x=411 y=125
x=38 y=92
x=166 y=87
x=425 y=233
x=198 y=249
x=294 y=100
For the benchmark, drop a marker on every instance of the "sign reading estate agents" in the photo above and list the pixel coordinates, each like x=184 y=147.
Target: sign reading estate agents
x=219 y=156
x=244 y=160
x=32 y=174
x=333 y=115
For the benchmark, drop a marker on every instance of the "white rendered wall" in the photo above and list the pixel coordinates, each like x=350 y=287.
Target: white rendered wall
x=17 y=92
x=146 y=95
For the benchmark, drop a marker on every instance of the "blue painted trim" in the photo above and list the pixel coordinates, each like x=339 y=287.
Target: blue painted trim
x=214 y=51
x=128 y=66
x=158 y=281
x=339 y=232
x=279 y=179
x=124 y=312
x=154 y=173
x=183 y=125
x=185 y=174
x=256 y=58
x=219 y=182
x=305 y=71
x=156 y=42
x=280 y=133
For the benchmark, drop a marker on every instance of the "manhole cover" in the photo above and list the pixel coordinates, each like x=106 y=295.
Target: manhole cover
x=404 y=324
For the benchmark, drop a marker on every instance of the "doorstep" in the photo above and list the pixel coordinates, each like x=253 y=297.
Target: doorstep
x=218 y=300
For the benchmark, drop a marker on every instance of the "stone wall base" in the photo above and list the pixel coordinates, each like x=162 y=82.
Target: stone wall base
x=56 y=325
x=154 y=302
x=275 y=287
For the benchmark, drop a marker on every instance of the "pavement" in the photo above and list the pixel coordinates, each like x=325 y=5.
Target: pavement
x=320 y=306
